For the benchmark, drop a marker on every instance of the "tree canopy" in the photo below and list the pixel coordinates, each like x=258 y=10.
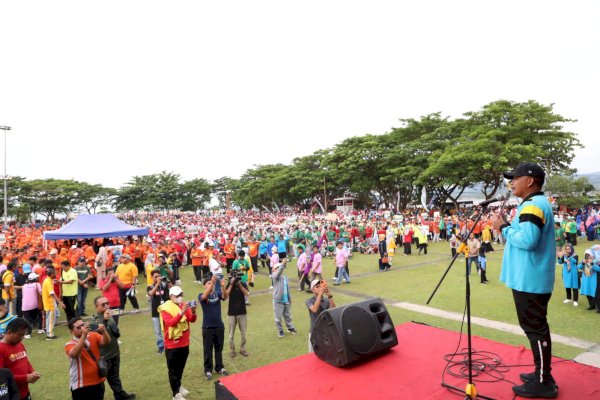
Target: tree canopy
x=434 y=152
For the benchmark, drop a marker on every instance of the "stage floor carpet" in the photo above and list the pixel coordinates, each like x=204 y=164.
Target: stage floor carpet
x=411 y=370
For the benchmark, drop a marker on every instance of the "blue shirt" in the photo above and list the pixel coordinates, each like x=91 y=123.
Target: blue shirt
x=211 y=311
x=529 y=258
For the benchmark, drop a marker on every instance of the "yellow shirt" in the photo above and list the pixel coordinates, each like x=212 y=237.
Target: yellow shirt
x=47 y=291
x=8 y=285
x=127 y=273
x=149 y=269
x=69 y=289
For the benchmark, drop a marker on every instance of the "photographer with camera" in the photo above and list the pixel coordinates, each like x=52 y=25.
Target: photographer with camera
x=213 y=330
x=236 y=311
x=84 y=352
x=110 y=351
x=175 y=318
x=158 y=294
x=242 y=264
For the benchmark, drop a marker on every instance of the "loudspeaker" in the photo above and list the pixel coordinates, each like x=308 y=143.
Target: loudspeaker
x=356 y=331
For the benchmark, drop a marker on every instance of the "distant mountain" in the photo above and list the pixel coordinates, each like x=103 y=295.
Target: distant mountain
x=594 y=179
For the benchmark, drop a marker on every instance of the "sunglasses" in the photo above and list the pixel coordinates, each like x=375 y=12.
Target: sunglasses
x=104 y=304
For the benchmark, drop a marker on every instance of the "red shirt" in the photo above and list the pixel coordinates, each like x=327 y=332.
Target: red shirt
x=14 y=357
x=111 y=294
x=170 y=321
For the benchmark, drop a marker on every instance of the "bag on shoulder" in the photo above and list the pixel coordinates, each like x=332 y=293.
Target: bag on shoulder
x=101 y=362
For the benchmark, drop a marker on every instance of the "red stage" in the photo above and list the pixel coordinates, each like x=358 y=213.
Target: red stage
x=411 y=370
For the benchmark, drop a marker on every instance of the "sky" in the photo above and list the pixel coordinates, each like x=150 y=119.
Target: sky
x=103 y=91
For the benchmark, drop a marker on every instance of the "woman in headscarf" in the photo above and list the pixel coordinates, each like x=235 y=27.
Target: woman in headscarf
x=149 y=267
x=569 y=260
x=101 y=263
x=589 y=280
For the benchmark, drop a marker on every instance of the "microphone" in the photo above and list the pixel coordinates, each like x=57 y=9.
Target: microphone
x=502 y=197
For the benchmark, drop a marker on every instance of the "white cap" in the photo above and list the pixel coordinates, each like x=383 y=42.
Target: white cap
x=32 y=276
x=175 y=291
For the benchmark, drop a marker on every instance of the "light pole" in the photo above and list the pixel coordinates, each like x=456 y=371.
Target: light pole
x=5 y=128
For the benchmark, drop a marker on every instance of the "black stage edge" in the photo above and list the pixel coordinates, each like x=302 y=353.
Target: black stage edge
x=223 y=393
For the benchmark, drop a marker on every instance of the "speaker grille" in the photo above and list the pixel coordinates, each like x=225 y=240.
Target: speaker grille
x=360 y=330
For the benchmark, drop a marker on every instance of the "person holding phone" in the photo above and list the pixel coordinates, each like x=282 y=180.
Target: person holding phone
x=110 y=351
x=175 y=317
x=213 y=329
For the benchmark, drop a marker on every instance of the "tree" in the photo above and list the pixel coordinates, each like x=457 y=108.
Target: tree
x=569 y=190
x=49 y=197
x=89 y=197
x=194 y=194
x=222 y=187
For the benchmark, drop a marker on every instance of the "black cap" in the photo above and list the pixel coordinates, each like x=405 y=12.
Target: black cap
x=526 y=169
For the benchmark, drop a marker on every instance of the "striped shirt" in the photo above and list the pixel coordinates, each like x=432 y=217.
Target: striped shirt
x=83 y=370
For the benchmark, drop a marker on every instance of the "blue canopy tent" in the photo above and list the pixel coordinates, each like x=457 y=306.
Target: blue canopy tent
x=94 y=226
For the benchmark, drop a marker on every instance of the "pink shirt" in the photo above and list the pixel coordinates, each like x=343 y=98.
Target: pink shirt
x=30 y=296
x=341 y=257
x=318 y=263
x=301 y=262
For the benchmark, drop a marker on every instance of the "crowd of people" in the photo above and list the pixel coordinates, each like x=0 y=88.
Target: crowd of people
x=226 y=251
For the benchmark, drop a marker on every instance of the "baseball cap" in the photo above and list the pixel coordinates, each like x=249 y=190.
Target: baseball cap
x=175 y=291
x=127 y=256
x=314 y=283
x=526 y=169
x=32 y=276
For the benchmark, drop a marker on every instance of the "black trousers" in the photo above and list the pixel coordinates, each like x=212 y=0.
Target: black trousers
x=70 y=306
x=254 y=263
x=32 y=316
x=197 y=273
x=304 y=280
x=140 y=267
x=176 y=359
x=123 y=297
x=575 y=294
x=213 y=339
x=113 y=378
x=95 y=392
x=532 y=312
x=407 y=248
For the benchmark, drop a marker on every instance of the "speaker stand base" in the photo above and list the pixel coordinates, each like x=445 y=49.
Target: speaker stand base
x=470 y=392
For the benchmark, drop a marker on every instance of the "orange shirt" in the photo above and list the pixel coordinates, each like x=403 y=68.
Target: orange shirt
x=197 y=256
x=83 y=370
x=253 y=249
x=229 y=250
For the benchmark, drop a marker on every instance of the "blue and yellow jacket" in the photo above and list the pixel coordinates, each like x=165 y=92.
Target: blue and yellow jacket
x=529 y=258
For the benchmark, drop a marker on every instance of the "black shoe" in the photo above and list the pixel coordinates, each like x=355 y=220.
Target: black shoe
x=538 y=390
x=531 y=376
x=130 y=396
x=590 y=308
x=292 y=331
x=83 y=314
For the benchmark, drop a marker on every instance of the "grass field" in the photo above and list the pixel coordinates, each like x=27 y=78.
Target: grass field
x=411 y=279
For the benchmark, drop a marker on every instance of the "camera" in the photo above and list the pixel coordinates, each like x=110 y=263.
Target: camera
x=93 y=327
x=192 y=303
x=237 y=274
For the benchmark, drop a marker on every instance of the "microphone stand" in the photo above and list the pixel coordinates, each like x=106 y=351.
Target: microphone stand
x=470 y=390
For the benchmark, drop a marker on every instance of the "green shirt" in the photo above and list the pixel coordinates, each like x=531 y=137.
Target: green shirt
x=239 y=264
x=83 y=272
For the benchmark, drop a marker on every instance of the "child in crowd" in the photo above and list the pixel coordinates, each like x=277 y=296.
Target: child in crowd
x=482 y=264
x=570 y=275
x=589 y=280
x=341 y=263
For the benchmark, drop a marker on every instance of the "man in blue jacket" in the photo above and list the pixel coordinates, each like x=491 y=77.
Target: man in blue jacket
x=528 y=267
